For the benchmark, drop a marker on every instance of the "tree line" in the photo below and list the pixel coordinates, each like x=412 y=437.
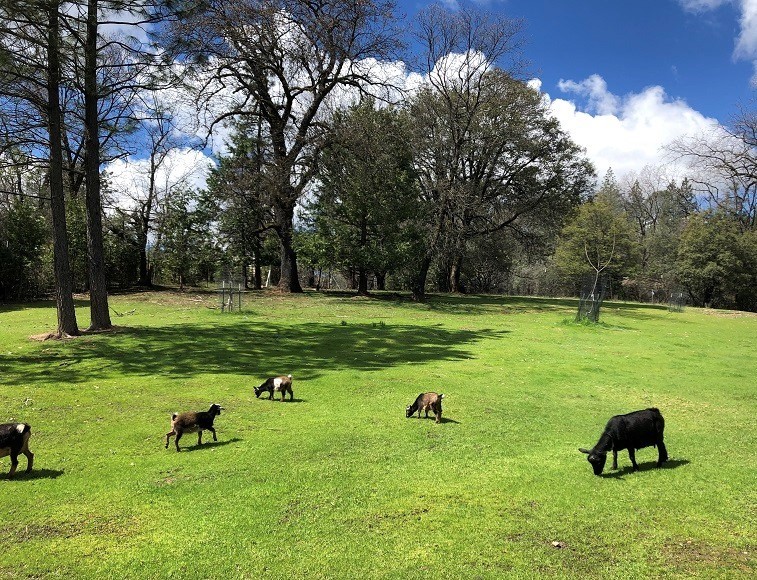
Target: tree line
x=464 y=183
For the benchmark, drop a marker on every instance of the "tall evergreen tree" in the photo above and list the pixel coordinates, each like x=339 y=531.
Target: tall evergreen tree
x=366 y=206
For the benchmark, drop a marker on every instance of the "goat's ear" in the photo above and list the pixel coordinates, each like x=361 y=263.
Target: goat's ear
x=582 y=450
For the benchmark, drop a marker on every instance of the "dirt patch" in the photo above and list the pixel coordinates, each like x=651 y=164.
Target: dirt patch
x=695 y=555
x=728 y=313
x=94 y=525
x=45 y=336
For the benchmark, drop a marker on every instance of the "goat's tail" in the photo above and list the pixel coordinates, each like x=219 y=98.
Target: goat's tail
x=289 y=376
x=173 y=417
x=441 y=395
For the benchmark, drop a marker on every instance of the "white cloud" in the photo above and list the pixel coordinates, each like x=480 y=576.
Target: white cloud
x=625 y=133
x=746 y=45
x=702 y=5
x=746 y=42
x=128 y=178
x=601 y=101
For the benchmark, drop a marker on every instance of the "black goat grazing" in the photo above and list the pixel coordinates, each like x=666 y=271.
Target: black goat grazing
x=426 y=402
x=281 y=384
x=14 y=439
x=192 y=421
x=631 y=431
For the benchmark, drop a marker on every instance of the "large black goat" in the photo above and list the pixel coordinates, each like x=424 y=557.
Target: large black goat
x=192 y=421
x=14 y=439
x=631 y=431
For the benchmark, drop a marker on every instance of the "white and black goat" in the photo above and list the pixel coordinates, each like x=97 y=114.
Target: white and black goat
x=281 y=384
x=14 y=439
x=191 y=422
x=631 y=431
x=426 y=402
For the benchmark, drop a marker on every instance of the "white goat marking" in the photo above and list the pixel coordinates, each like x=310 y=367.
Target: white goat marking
x=20 y=427
x=276 y=383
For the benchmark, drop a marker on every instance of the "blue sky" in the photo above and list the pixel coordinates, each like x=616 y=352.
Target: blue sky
x=635 y=44
x=623 y=77
x=627 y=77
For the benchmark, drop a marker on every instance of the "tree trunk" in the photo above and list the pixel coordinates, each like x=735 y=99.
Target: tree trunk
x=418 y=283
x=144 y=271
x=454 y=274
x=380 y=280
x=98 y=290
x=362 y=282
x=289 y=280
x=257 y=277
x=362 y=275
x=64 y=298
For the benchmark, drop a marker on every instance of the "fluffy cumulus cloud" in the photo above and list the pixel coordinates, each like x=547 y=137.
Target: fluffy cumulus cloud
x=623 y=132
x=746 y=42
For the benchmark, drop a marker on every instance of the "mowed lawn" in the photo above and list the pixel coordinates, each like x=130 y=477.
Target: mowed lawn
x=338 y=483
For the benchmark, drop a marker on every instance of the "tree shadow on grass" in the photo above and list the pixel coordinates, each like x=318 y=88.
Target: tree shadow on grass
x=648 y=466
x=36 y=474
x=37 y=304
x=244 y=347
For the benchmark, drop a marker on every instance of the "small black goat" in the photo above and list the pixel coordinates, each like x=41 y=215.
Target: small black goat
x=281 y=384
x=426 y=402
x=14 y=439
x=631 y=431
x=192 y=421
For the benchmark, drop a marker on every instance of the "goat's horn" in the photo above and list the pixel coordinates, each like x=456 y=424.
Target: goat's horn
x=582 y=450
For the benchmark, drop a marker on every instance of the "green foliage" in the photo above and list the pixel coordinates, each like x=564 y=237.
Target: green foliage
x=24 y=239
x=716 y=262
x=339 y=484
x=598 y=239
x=491 y=157
x=187 y=253
x=121 y=254
x=237 y=186
x=76 y=228
x=366 y=206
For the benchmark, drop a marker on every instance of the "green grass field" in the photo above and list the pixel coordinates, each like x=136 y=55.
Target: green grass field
x=338 y=483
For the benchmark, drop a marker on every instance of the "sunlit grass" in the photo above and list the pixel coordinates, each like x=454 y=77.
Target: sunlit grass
x=338 y=484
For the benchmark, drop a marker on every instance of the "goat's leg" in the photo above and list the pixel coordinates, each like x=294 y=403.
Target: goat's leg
x=614 y=459
x=438 y=416
x=632 y=456
x=270 y=395
x=199 y=437
x=176 y=441
x=662 y=456
x=29 y=455
x=168 y=437
x=213 y=431
x=14 y=463
x=291 y=395
x=29 y=460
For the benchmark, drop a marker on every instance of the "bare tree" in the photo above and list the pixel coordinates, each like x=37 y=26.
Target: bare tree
x=488 y=153
x=153 y=178
x=283 y=60
x=723 y=164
